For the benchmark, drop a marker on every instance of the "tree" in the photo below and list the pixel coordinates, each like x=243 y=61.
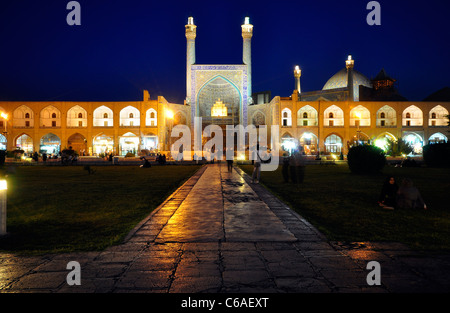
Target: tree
x=399 y=147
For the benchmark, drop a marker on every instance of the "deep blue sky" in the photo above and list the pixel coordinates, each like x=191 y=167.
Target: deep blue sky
x=123 y=47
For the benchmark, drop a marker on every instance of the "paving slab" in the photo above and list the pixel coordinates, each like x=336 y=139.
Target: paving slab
x=219 y=233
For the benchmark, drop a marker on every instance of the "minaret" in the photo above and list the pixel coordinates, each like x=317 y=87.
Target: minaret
x=247 y=33
x=297 y=74
x=191 y=33
x=350 y=64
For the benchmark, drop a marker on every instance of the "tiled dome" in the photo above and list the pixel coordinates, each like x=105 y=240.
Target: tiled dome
x=339 y=80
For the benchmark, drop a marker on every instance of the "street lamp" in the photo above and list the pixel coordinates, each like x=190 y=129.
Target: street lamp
x=3 y=190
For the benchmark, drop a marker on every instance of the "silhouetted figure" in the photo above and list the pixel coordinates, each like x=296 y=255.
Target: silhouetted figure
x=408 y=196
x=146 y=163
x=388 y=194
x=285 y=168
x=230 y=165
x=256 y=167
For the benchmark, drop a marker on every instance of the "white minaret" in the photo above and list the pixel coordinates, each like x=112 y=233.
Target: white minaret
x=247 y=33
x=191 y=33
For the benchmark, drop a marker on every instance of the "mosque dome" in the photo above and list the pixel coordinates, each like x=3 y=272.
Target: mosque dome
x=339 y=80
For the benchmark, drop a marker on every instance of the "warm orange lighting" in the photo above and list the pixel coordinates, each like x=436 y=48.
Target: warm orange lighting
x=219 y=109
x=349 y=62
x=3 y=184
x=4 y=116
x=169 y=114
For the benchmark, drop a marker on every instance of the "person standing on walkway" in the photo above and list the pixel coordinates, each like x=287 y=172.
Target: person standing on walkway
x=256 y=166
x=285 y=168
x=230 y=165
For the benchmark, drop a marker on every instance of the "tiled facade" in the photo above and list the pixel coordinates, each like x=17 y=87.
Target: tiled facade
x=325 y=121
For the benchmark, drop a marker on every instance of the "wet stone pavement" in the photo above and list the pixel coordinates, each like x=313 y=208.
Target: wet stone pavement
x=219 y=233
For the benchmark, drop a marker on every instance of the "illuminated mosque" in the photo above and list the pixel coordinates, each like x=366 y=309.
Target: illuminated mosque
x=350 y=108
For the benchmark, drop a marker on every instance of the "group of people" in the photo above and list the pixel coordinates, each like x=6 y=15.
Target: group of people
x=160 y=159
x=407 y=196
x=45 y=156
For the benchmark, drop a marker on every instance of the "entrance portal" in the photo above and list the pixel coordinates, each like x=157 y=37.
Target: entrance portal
x=102 y=144
x=25 y=143
x=50 y=144
x=219 y=88
x=128 y=143
x=150 y=142
x=78 y=143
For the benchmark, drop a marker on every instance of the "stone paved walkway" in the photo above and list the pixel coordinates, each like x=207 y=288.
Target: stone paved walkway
x=219 y=233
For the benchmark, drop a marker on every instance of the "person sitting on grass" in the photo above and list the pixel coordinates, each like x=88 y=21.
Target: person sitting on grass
x=408 y=196
x=388 y=194
x=146 y=163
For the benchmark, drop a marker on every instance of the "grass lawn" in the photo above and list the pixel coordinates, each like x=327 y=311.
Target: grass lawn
x=343 y=206
x=62 y=209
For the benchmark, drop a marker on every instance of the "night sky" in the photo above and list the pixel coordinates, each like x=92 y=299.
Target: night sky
x=123 y=47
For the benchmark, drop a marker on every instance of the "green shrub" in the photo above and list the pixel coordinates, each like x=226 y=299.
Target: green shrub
x=366 y=159
x=437 y=154
x=399 y=147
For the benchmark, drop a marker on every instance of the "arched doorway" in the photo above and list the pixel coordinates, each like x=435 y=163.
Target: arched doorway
x=103 y=117
x=359 y=139
x=384 y=140
x=288 y=143
x=286 y=117
x=50 y=144
x=412 y=116
x=437 y=138
x=308 y=143
x=437 y=116
x=130 y=116
x=150 y=142
x=50 y=116
x=386 y=117
x=360 y=116
x=25 y=143
x=128 y=143
x=3 y=142
x=228 y=93
x=78 y=143
x=23 y=116
x=415 y=141
x=77 y=117
x=258 y=119
x=102 y=144
x=333 y=144
x=333 y=116
x=307 y=116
